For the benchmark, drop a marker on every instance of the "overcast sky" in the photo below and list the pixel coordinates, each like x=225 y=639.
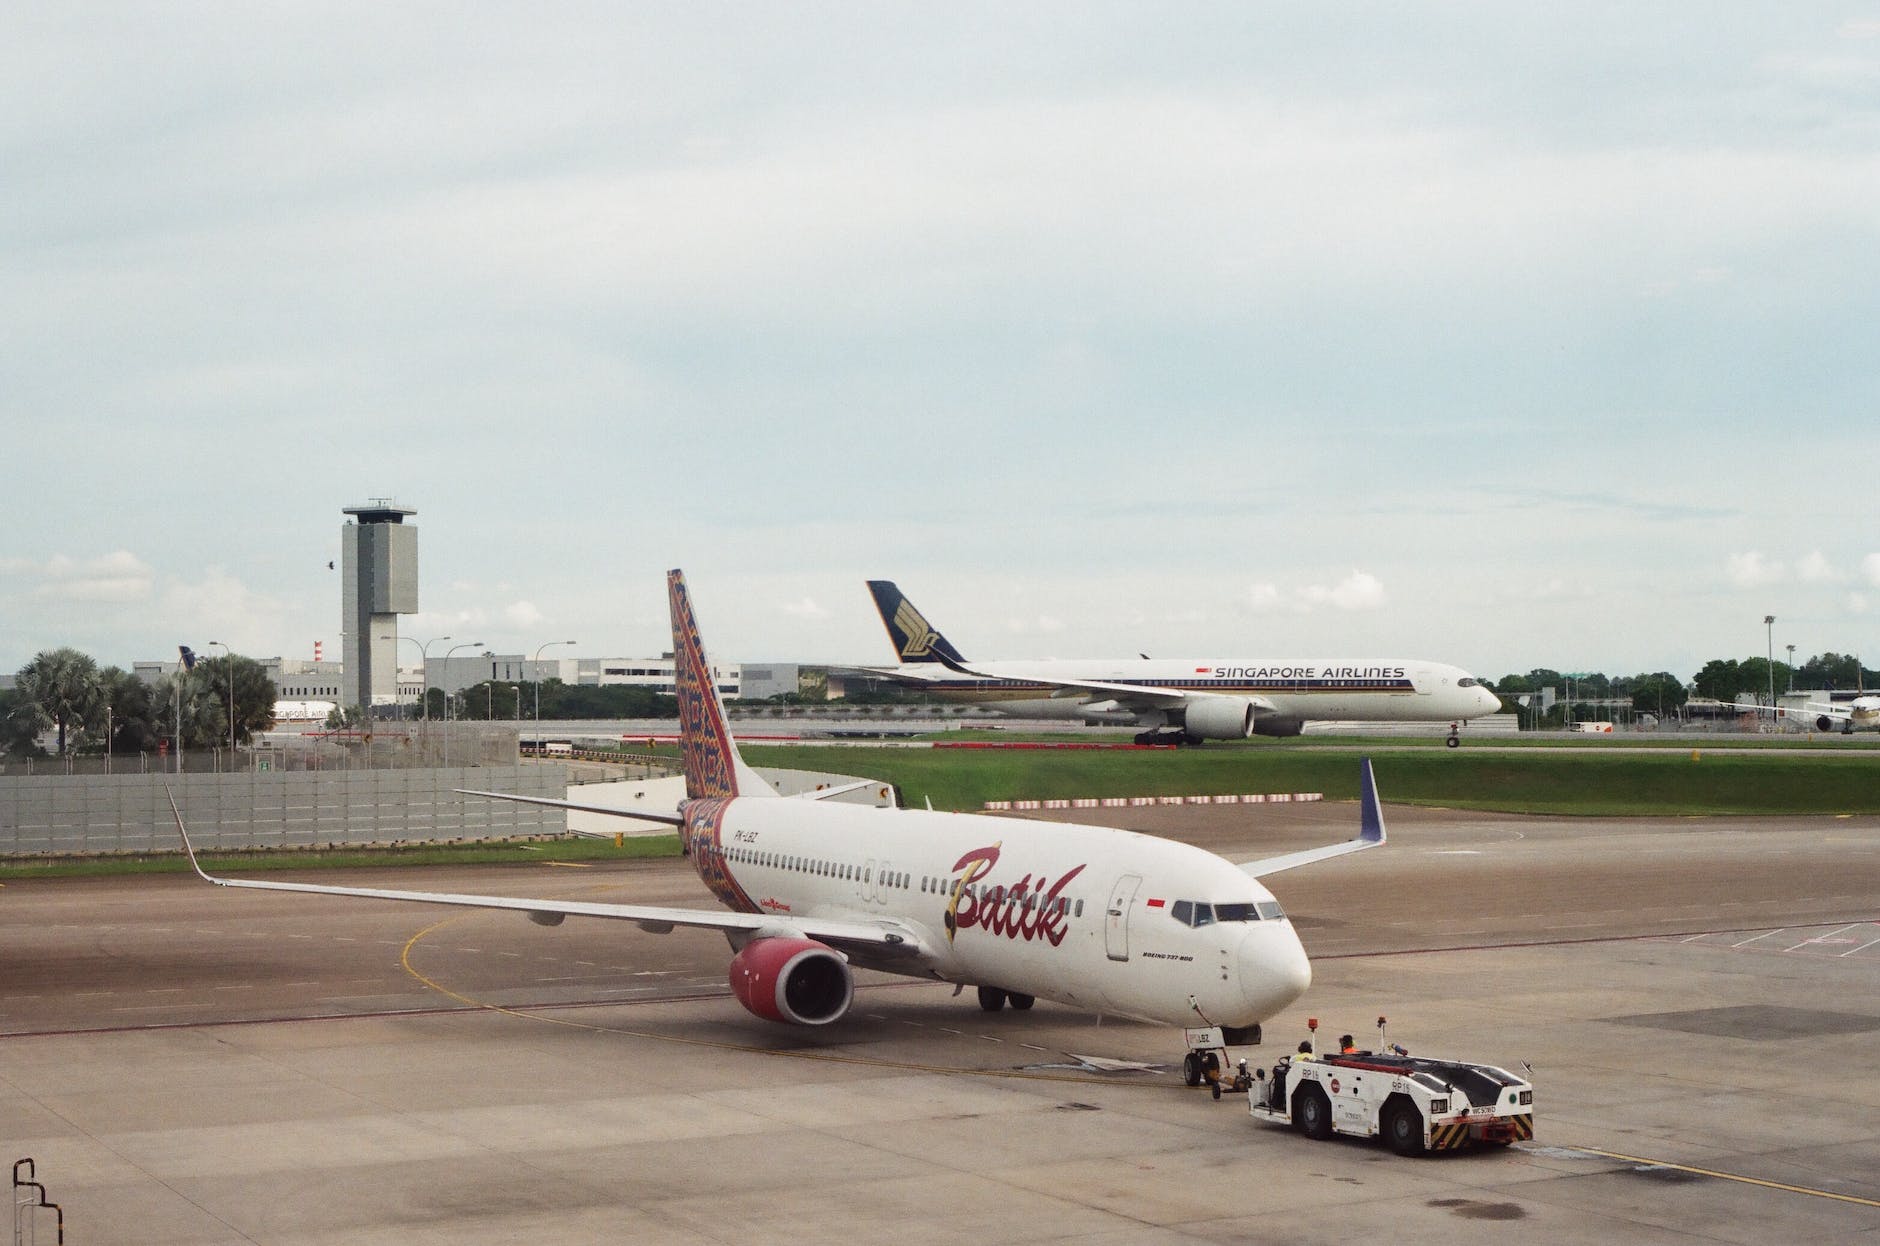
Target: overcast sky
x=1507 y=335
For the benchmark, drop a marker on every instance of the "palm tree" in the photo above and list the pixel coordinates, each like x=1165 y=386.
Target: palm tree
x=61 y=688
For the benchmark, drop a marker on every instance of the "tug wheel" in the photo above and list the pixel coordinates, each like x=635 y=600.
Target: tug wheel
x=1403 y=1128
x=1312 y=1113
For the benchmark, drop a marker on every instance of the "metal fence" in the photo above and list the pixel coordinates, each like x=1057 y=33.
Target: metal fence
x=129 y=813
x=388 y=746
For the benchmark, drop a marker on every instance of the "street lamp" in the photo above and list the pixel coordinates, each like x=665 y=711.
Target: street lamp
x=447 y=695
x=1769 y=621
x=1791 y=649
x=538 y=677
x=228 y=669
x=424 y=658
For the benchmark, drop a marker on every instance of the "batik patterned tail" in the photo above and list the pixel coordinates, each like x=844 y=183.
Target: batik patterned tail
x=711 y=768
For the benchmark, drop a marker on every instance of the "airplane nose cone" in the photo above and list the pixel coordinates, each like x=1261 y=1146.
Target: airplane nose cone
x=1274 y=970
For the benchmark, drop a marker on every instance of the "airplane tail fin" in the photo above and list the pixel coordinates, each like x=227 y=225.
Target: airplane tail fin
x=712 y=765
x=914 y=639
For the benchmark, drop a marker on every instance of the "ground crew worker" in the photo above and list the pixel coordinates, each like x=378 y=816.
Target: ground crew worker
x=1305 y=1052
x=1346 y=1047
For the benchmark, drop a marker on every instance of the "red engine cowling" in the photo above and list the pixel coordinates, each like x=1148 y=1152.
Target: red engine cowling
x=799 y=981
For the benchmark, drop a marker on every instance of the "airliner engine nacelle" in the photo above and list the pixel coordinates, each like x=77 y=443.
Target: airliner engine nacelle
x=1824 y=723
x=1218 y=718
x=1278 y=724
x=799 y=981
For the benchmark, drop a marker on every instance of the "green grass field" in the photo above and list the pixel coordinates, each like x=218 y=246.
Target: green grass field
x=1660 y=782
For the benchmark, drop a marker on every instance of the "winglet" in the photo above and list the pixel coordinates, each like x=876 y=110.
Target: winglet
x=1370 y=833
x=189 y=849
x=1371 y=812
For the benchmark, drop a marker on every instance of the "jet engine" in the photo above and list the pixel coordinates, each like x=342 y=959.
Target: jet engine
x=1824 y=723
x=1278 y=724
x=799 y=981
x=1218 y=718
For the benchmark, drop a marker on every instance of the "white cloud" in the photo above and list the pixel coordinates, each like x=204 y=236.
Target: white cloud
x=522 y=614
x=1752 y=570
x=1816 y=569
x=118 y=576
x=1358 y=591
x=1043 y=624
x=806 y=608
x=1263 y=598
x=1870 y=567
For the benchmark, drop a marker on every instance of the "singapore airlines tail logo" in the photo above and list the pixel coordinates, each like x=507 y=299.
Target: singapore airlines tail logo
x=917 y=637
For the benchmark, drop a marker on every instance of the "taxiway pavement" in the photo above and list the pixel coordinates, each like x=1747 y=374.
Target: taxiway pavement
x=1699 y=999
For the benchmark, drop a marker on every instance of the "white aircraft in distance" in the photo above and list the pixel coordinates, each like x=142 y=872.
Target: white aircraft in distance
x=1183 y=700
x=1104 y=920
x=1847 y=717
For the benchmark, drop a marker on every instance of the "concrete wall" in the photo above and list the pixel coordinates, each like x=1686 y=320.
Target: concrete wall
x=42 y=814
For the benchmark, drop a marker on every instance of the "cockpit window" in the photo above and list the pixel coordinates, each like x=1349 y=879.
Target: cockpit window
x=1200 y=913
x=1470 y=681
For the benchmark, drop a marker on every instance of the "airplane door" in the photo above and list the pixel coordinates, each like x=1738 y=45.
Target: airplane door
x=1116 y=919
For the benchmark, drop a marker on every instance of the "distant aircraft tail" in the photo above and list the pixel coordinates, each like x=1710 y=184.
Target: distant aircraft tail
x=712 y=765
x=914 y=639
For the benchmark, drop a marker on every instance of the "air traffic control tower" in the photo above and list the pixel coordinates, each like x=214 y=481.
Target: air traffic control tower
x=379 y=553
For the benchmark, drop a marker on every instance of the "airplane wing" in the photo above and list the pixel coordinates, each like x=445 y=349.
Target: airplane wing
x=1370 y=834
x=1128 y=695
x=652 y=918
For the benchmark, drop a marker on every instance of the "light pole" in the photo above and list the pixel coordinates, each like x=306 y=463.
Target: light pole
x=515 y=691
x=228 y=669
x=422 y=659
x=447 y=695
x=534 y=670
x=1769 y=621
x=1791 y=649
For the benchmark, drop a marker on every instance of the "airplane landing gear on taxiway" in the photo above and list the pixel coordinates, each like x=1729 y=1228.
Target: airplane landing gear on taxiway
x=1207 y=1054
x=992 y=998
x=1455 y=736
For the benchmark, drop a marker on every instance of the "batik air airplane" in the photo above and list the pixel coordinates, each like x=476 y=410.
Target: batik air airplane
x=1183 y=700
x=1104 y=920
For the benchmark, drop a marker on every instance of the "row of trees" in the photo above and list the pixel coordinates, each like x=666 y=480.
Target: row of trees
x=94 y=709
x=1721 y=679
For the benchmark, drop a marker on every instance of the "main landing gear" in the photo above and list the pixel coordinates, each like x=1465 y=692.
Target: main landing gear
x=1176 y=737
x=992 y=998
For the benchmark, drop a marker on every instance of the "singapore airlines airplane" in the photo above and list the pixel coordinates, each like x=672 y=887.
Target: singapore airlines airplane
x=1104 y=920
x=1183 y=700
x=1847 y=717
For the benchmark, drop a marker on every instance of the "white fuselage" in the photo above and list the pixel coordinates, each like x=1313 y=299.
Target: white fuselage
x=1087 y=916
x=1322 y=689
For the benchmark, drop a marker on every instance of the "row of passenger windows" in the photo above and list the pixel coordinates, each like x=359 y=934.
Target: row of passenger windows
x=898 y=879
x=1187 y=912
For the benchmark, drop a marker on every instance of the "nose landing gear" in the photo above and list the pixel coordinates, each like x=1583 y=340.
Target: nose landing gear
x=1455 y=736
